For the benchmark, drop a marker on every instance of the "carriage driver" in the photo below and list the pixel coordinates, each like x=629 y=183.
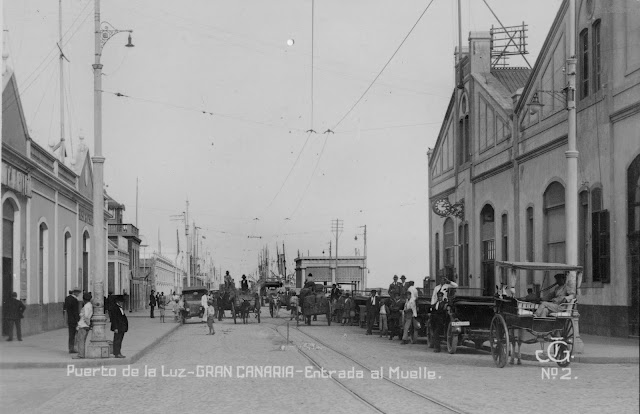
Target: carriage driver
x=553 y=299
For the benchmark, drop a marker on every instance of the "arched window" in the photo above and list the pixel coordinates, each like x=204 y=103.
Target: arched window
x=448 y=241
x=437 y=251
x=583 y=52
x=555 y=228
x=8 y=222
x=488 y=253
x=84 y=282
x=464 y=145
x=505 y=246
x=600 y=235
x=43 y=263
x=67 y=262
x=530 y=246
x=597 y=66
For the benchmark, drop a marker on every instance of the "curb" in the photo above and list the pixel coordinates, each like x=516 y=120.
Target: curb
x=90 y=363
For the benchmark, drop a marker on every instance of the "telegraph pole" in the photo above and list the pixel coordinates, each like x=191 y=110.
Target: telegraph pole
x=336 y=227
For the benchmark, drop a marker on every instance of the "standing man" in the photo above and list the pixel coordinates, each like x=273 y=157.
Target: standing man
x=152 y=302
x=410 y=315
x=438 y=319
x=309 y=283
x=72 y=311
x=444 y=286
x=244 y=285
x=403 y=285
x=204 y=303
x=395 y=285
x=84 y=324
x=119 y=325
x=373 y=310
x=227 y=280
x=14 y=311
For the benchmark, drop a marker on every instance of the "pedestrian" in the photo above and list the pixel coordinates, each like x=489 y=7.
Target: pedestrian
x=346 y=314
x=445 y=286
x=403 y=285
x=211 y=317
x=71 y=312
x=384 y=311
x=175 y=308
x=438 y=318
x=13 y=313
x=293 y=304
x=119 y=326
x=410 y=315
x=161 y=306
x=395 y=285
x=204 y=303
x=152 y=303
x=373 y=311
x=84 y=324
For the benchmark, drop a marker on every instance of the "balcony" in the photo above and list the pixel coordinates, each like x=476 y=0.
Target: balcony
x=124 y=230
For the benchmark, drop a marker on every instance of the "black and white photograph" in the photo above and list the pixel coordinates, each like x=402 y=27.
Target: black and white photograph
x=320 y=206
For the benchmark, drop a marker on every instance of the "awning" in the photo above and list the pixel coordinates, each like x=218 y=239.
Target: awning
x=538 y=266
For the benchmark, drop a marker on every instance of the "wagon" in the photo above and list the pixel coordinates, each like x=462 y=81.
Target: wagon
x=514 y=319
x=314 y=304
x=244 y=304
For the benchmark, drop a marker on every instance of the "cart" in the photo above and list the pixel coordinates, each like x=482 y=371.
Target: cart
x=245 y=303
x=515 y=319
x=314 y=304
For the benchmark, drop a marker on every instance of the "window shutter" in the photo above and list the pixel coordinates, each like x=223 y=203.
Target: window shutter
x=601 y=246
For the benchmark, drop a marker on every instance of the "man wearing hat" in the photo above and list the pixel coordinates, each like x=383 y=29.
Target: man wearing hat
x=309 y=283
x=444 y=287
x=244 y=285
x=556 y=296
x=84 y=324
x=119 y=325
x=438 y=318
x=373 y=310
x=395 y=285
x=403 y=284
x=71 y=309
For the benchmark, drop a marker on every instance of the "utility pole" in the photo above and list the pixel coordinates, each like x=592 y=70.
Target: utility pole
x=571 y=191
x=336 y=227
x=186 y=232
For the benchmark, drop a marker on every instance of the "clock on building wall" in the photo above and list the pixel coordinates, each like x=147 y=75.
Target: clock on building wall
x=441 y=207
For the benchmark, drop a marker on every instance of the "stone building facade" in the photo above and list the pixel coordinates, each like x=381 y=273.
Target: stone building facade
x=511 y=189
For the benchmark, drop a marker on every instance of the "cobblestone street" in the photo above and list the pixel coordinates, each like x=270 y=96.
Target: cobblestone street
x=465 y=382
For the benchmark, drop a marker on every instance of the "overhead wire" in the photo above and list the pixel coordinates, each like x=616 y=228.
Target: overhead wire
x=47 y=58
x=335 y=127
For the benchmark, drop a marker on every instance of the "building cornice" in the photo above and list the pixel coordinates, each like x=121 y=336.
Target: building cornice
x=557 y=143
x=442 y=194
x=625 y=112
x=506 y=166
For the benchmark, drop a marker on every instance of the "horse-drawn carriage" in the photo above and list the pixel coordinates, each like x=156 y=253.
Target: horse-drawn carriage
x=314 y=302
x=238 y=302
x=506 y=321
x=245 y=303
x=516 y=319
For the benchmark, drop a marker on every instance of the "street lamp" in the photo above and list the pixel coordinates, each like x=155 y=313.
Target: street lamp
x=98 y=347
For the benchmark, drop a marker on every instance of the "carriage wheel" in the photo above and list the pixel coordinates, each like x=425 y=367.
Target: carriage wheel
x=452 y=339
x=499 y=340
x=564 y=351
x=233 y=311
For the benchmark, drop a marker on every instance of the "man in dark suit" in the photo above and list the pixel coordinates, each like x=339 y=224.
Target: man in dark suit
x=244 y=284
x=152 y=302
x=13 y=313
x=438 y=319
x=395 y=285
x=119 y=325
x=71 y=308
x=373 y=310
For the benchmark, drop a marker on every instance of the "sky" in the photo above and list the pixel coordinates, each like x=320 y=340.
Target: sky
x=218 y=103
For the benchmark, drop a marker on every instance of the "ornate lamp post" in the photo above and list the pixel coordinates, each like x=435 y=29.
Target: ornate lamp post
x=98 y=347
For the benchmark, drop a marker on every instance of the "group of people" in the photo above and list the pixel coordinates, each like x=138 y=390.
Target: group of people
x=157 y=300
x=78 y=311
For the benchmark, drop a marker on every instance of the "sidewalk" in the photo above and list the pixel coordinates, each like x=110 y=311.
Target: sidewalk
x=49 y=349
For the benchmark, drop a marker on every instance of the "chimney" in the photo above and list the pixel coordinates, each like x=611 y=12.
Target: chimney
x=480 y=52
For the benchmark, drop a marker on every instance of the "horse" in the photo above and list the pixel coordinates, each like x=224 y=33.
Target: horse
x=244 y=310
